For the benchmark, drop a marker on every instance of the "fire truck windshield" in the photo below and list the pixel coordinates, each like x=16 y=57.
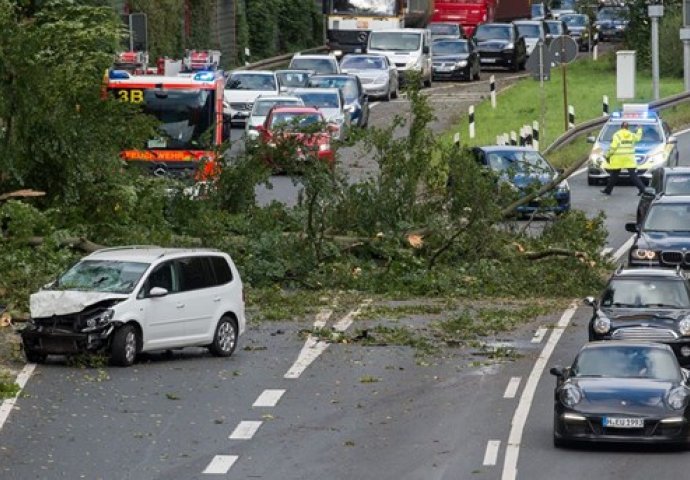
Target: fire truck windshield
x=365 y=7
x=186 y=117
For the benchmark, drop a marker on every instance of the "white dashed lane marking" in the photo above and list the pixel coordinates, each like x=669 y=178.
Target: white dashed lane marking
x=221 y=464
x=245 y=430
x=268 y=398
x=539 y=335
x=491 y=454
x=512 y=388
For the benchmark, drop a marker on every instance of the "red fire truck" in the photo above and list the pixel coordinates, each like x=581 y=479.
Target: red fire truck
x=189 y=107
x=470 y=13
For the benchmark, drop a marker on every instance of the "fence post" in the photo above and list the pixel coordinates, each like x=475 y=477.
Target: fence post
x=471 y=121
x=513 y=138
x=605 y=106
x=571 y=117
x=492 y=88
x=535 y=135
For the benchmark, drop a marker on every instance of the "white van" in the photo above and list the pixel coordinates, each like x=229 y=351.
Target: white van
x=127 y=300
x=409 y=49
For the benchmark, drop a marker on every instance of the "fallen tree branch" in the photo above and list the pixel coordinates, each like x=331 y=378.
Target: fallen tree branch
x=77 y=243
x=555 y=252
x=21 y=194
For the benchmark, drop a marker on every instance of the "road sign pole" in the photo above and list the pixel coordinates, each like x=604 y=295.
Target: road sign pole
x=542 y=94
x=655 y=12
x=564 y=70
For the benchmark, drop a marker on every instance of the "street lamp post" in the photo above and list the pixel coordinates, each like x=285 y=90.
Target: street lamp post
x=685 y=38
x=655 y=12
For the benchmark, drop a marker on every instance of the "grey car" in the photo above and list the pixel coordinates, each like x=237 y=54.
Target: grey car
x=378 y=75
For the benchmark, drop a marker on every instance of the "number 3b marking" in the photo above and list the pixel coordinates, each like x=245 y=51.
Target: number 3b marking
x=133 y=96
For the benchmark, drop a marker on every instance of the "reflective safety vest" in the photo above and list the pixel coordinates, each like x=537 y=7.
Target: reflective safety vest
x=621 y=154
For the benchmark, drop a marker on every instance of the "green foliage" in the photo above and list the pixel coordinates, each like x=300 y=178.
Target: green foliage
x=8 y=387
x=200 y=16
x=165 y=25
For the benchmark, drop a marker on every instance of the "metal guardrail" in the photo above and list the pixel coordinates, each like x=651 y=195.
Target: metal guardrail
x=280 y=59
x=584 y=127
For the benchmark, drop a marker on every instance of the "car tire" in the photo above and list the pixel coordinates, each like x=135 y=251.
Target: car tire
x=396 y=92
x=428 y=82
x=125 y=345
x=591 y=181
x=388 y=95
x=478 y=73
x=225 y=337
x=32 y=356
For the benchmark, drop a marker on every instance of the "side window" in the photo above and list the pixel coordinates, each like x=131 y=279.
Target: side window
x=222 y=270
x=163 y=276
x=195 y=273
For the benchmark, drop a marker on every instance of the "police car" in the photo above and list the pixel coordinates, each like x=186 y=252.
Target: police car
x=656 y=149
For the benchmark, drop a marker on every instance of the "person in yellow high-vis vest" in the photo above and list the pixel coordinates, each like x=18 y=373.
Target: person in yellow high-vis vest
x=621 y=155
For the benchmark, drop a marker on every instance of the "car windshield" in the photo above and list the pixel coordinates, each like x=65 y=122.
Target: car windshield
x=555 y=28
x=318 y=65
x=375 y=8
x=492 y=32
x=529 y=30
x=627 y=361
x=537 y=10
x=261 y=107
x=320 y=100
x=612 y=14
x=395 y=41
x=450 y=48
x=651 y=132
x=293 y=79
x=363 y=63
x=575 y=20
x=677 y=185
x=518 y=161
x=347 y=85
x=251 y=81
x=444 y=29
x=102 y=276
x=563 y=5
x=668 y=217
x=646 y=293
x=295 y=121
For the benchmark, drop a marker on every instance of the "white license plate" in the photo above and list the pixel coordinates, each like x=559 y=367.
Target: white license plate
x=623 y=422
x=487 y=60
x=444 y=69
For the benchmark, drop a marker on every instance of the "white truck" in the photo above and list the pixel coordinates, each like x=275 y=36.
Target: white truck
x=409 y=49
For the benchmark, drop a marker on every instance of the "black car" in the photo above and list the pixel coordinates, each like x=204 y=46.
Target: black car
x=633 y=392
x=540 y=12
x=664 y=181
x=455 y=60
x=650 y=304
x=663 y=238
x=500 y=44
x=581 y=30
x=446 y=31
x=611 y=23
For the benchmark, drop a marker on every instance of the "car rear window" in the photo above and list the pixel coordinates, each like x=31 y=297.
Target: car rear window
x=222 y=270
x=195 y=273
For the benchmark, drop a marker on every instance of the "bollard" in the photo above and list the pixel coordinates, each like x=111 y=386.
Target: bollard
x=456 y=140
x=492 y=88
x=522 y=137
x=605 y=106
x=471 y=121
x=513 y=138
x=499 y=140
x=535 y=135
x=571 y=117
x=595 y=52
x=528 y=135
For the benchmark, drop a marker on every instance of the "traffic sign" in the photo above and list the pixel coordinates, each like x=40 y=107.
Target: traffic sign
x=563 y=49
x=539 y=62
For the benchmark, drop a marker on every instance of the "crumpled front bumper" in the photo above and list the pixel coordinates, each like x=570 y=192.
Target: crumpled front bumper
x=47 y=340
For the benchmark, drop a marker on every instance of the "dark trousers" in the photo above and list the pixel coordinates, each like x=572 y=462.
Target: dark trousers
x=615 y=173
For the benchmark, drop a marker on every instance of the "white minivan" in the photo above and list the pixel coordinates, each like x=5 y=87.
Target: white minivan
x=128 y=300
x=409 y=49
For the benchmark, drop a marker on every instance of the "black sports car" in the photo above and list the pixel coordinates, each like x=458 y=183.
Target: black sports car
x=621 y=392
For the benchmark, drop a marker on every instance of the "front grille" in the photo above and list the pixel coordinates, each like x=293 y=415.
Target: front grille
x=241 y=106
x=672 y=257
x=349 y=36
x=401 y=65
x=644 y=334
x=366 y=81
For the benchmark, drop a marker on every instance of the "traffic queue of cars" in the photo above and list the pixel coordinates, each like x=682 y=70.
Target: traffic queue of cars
x=629 y=383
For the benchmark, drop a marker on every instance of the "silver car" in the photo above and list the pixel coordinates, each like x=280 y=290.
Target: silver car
x=262 y=106
x=332 y=104
x=534 y=31
x=378 y=76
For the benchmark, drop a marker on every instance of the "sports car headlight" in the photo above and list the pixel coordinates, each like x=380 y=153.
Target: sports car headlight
x=99 y=320
x=461 y=64
x=570 y=395
x=602 y=325
x=643 y=254
x=509 y=46
x=684 y=327
x=677 y=398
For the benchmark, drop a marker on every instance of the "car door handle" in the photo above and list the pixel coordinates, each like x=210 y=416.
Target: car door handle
x=180 y=305
x=216 y=299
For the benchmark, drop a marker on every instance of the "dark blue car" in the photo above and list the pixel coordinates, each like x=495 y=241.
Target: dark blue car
x=525 y=169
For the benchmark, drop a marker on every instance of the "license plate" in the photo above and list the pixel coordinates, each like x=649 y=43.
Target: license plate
x=623 y=422
x=487 y=60
x=444 y=69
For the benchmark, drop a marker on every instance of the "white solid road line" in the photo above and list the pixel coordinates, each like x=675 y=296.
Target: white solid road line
x=623 y=249
x=345 y=322
x=606 y=251
x=512 y=388
x=7 y=406
x=220 y=464
x=539 y=335
x=578 y=172
x=491 y=454
x=245 y=430
x=523 y=408
x=310 y=351
x=268 y=398
x=322 y=317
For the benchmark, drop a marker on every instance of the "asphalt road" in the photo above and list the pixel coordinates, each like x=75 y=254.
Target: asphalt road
x=353 y=413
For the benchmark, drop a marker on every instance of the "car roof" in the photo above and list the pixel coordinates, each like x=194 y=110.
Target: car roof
x=297 y=109
x=506 y=148
x=528 y=22
x=672 y=199
x=647 y=272
x=295 y=91
x=277 y=97
x=499 y=24
x=346 y=76
x=327 y=56
x=257 y=72
x=145 y=253
x=627 y=343
x=676 y=170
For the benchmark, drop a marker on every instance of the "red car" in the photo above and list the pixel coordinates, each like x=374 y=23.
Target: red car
x=306 y=125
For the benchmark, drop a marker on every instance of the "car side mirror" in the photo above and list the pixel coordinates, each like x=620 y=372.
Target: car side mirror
x=591 y=301
x=558 y=372
x=631 y=227
x=156 y=292
x=649 y=192
x=591 y=139
x=673 y=139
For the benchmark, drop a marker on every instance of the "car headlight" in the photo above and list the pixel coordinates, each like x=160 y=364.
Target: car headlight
x=677 y=398
x=339 y=120
x=684 y=327
x=509 y=46
x=656 y=157
x=380 y=80
x=570 y=395
x=597 y=159
x=563 y=187
x=324 y=147
x=412 y=65
x=602 y=325
x=643 y=254
x=461 y=64
x=98 y=320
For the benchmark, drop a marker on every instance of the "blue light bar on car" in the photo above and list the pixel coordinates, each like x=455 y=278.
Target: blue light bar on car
x=118 y=75
x=204 y=76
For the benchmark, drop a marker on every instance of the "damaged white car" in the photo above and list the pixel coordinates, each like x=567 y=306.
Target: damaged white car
x=127 y=300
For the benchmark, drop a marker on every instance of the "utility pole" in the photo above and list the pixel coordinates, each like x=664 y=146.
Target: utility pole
x=564 y=70
x=655 y=12
x=685 y=38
